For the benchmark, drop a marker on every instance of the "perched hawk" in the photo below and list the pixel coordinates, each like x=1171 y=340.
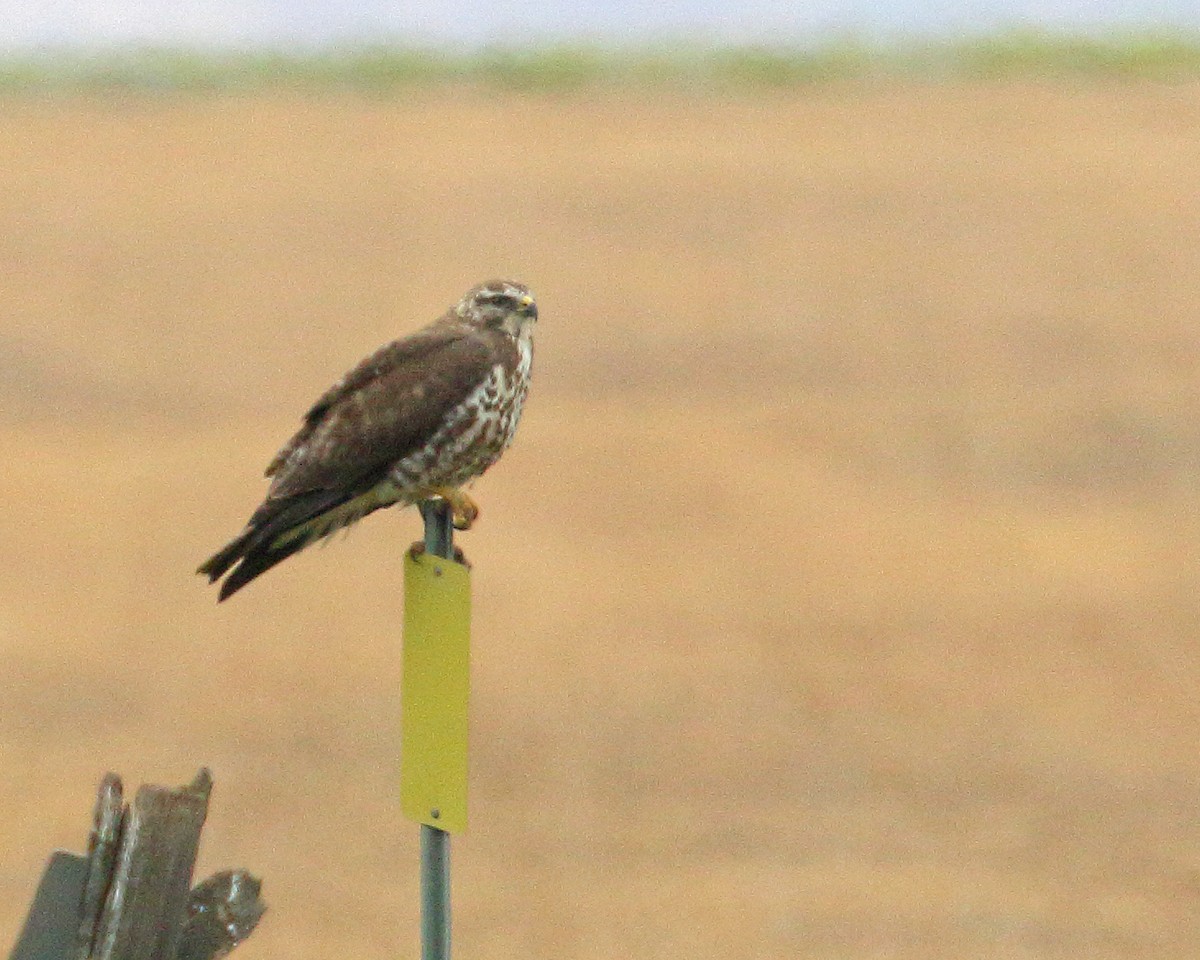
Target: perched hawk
x=417 y=419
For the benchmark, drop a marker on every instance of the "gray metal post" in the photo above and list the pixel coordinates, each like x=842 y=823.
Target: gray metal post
x=435 y=843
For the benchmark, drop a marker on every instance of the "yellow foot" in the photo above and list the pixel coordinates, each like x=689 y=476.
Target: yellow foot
x=463 y=510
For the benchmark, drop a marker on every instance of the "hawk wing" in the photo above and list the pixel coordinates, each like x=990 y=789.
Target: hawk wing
x=384 y=409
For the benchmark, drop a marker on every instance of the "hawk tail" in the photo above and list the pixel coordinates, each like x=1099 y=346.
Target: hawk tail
x=276 y=531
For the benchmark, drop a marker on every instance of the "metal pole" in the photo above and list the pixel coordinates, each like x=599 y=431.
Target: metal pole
x=435 y=843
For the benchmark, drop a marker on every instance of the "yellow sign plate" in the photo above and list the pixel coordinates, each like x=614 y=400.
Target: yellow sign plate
x=434 y=689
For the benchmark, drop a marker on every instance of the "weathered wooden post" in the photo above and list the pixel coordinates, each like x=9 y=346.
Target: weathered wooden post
x=435 y=685
x=129 y=898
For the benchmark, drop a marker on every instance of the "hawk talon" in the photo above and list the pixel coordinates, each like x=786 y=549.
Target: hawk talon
x=463 y=510
x=418 y=549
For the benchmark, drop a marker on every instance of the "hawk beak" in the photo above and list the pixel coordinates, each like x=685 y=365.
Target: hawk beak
x=528 y=306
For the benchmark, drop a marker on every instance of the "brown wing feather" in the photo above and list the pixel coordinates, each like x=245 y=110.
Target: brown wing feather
x=384 y=409
x=391 y=355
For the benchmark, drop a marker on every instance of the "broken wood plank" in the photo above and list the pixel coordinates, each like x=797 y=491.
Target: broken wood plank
x=144 y=912
x=51 y=925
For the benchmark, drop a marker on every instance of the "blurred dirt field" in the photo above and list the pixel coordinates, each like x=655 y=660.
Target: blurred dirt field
x=838 y=599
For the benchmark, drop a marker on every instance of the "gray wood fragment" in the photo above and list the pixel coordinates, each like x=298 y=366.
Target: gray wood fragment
x=102 y=856
x=51 y=927
x=222 y=912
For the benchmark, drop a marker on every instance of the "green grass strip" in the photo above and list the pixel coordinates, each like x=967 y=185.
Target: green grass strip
x=555 y=67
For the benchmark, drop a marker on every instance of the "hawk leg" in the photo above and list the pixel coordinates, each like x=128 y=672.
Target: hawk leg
x=463 y=510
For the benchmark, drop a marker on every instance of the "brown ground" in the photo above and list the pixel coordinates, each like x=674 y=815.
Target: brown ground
x=839 y=598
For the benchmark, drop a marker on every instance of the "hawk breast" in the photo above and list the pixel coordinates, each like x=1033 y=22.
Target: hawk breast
x=476 y=431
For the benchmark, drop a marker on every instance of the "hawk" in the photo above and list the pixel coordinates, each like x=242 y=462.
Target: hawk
x=419 y=418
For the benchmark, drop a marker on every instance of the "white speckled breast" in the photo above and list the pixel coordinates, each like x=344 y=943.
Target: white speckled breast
x=475 y=434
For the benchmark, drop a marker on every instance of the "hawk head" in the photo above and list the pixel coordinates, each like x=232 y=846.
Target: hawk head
x=501 y=304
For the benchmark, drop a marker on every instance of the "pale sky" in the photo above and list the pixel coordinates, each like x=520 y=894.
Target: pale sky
x=35 y=23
